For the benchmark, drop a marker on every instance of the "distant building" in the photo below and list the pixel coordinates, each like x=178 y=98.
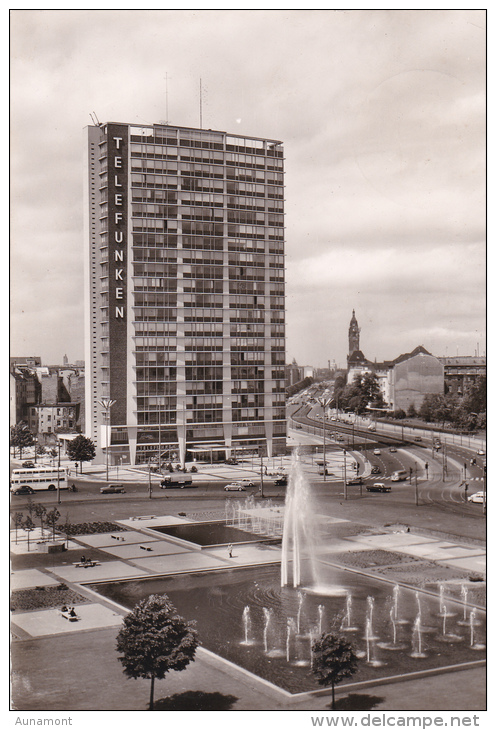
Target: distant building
x=46 y=419
x=404 y=381
x=40 y=387
x=461 y=372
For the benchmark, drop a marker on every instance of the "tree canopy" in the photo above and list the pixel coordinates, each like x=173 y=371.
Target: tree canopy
x=81 y=449
x=334 y=659
x=154 y=640
x=21 y=436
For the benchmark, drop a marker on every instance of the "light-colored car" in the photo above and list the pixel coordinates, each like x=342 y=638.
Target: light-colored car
x=481 y=452
x=477 y=498
x=234 y=487
x=377 y=452
x=247 y=482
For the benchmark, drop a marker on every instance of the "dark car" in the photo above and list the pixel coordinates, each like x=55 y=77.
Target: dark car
x=378 y=487
x=112 y=489
x=27 y=465
x=176 y=482
x=24 y=489
x=355 y=481
x=281 y=480
x=417 y=438
x=375 y=470
x=232 y=461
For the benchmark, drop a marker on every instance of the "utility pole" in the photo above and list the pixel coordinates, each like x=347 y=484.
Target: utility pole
x=416 y=486
x=345 y=489
x=58 y=473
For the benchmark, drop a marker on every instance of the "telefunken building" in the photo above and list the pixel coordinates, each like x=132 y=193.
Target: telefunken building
x=184 y=268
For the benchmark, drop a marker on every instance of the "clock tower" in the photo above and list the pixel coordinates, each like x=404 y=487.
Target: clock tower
x=353 y=335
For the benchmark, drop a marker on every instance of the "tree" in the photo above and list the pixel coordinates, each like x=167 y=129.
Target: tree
x=51 y=518
x=29 y=526
x=18 y=520
x=155 y=640
x=81 y=449
x=40 y=512
x=334 y=659
x=21 y=437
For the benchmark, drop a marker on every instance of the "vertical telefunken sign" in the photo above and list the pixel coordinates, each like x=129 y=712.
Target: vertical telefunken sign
x=117 y=147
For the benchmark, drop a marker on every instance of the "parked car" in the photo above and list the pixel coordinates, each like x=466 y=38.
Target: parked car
x=112 y=489
x=281 y=480
x=417 y=438
x=23 y=489
x=30 y=464
x=234 y=487
x=355 y=481
x=375 y=470
x=477 y=498
x=377 y=452
x=232 y=461
x=378 y=487
x=179 y=482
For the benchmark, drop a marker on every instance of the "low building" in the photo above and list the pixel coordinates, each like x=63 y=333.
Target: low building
x=461 y=372
x=47 y=419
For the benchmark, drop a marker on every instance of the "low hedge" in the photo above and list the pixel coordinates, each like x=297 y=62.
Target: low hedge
x=88 y=528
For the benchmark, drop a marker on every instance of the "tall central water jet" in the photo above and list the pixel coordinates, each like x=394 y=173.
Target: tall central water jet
x=299 y=532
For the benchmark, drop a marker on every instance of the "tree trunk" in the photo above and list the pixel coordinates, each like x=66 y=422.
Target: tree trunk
x=333 y=700
x=151 y=692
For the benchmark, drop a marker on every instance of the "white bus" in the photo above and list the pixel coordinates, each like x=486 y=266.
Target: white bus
x=42 y=477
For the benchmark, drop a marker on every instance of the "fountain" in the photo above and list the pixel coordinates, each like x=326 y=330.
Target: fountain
x=278 y=612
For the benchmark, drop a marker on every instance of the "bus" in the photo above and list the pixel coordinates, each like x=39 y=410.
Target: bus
x=41 y=477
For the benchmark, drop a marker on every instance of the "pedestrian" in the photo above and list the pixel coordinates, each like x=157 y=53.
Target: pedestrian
x=230 y=549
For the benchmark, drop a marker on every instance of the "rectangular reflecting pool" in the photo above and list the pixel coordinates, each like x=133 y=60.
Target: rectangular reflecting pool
x=246 y=617
x=208 y=533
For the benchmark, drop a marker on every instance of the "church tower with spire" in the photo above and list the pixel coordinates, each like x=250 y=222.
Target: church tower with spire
x=353 y=335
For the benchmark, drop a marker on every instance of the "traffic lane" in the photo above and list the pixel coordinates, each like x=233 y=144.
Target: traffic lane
x=90 y=491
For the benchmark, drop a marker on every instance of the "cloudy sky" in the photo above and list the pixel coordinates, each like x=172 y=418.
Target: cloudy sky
x=382 y=115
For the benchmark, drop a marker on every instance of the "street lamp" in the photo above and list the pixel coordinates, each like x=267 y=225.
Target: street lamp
x=324 y=402
x=106 y=404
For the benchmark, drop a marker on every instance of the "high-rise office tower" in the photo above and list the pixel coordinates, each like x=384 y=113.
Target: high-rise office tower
x=185 y=301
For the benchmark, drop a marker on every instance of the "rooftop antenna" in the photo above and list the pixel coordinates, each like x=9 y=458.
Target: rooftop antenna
x=166 y=98
x=94 y=119
x=201 y=113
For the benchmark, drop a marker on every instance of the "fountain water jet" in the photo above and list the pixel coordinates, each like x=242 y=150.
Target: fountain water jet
x=321 y=619
x=346 y=623
x=247 y=626
x=478 y=646
x=417 y=652
x=300 y=537
x=267 y=616
x=299 y=531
